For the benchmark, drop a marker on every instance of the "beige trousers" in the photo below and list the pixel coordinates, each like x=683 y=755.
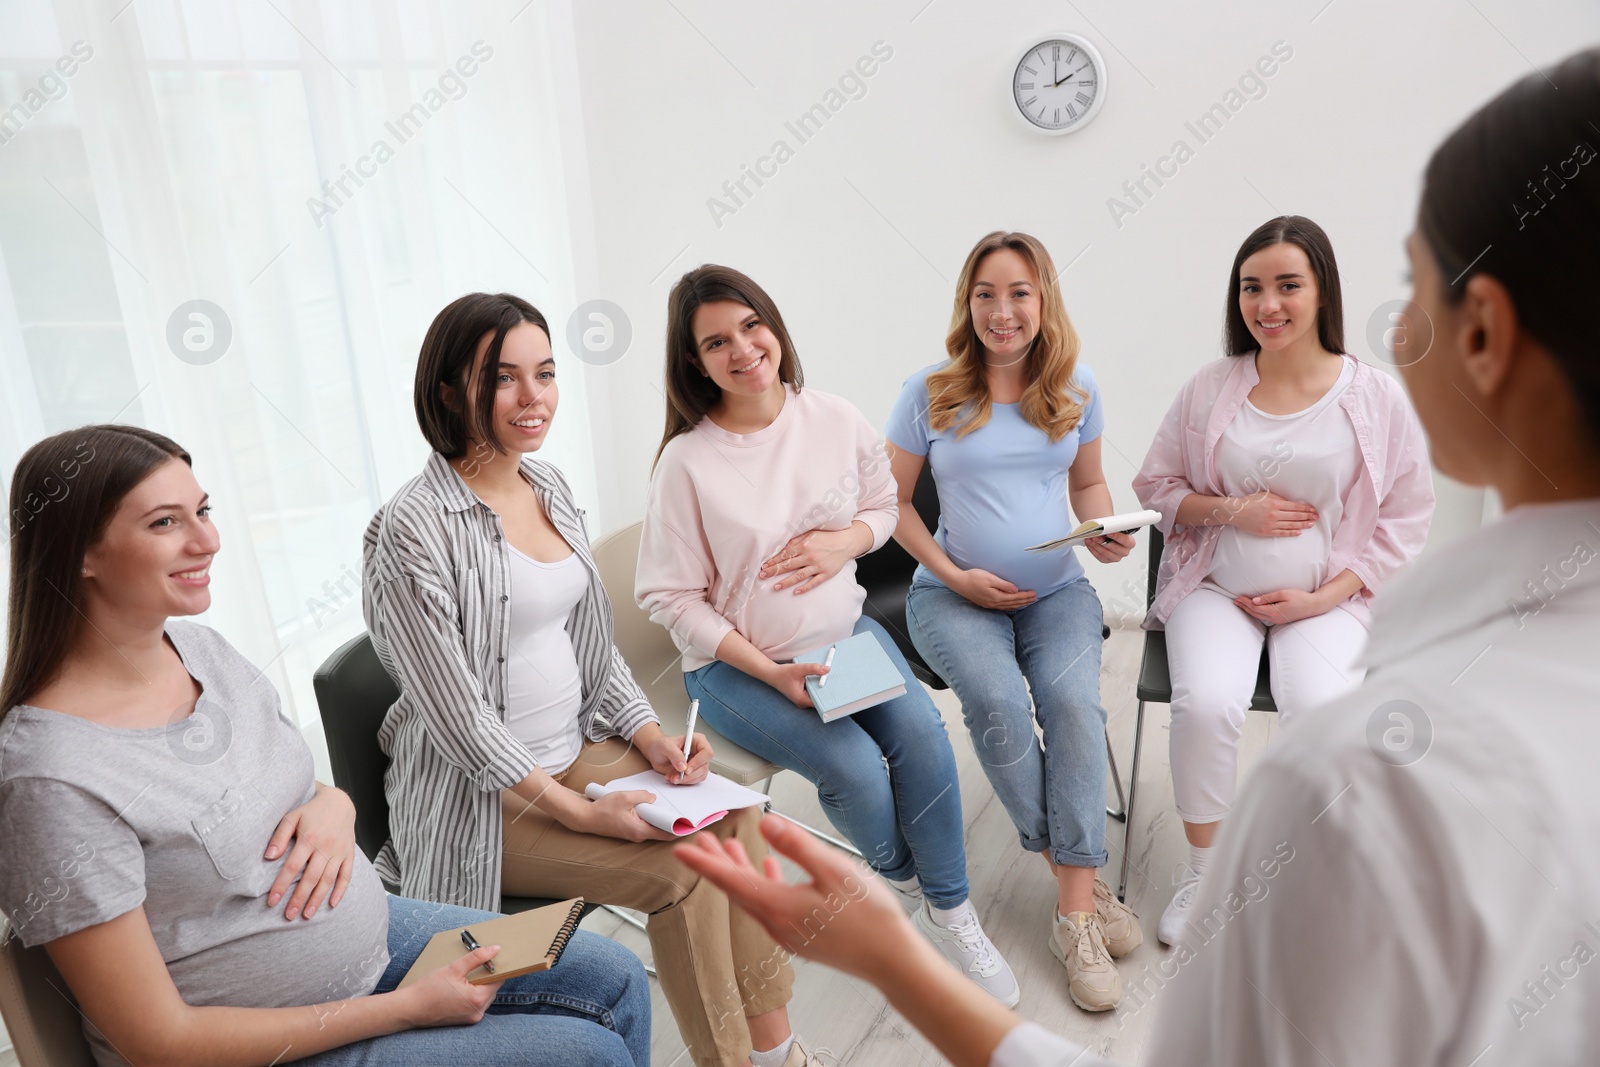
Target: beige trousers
x=716 y=964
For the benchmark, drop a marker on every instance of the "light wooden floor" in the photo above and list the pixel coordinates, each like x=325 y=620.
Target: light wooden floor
x=1013 y=893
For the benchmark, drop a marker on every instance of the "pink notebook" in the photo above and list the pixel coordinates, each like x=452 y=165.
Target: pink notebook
x=682 y=809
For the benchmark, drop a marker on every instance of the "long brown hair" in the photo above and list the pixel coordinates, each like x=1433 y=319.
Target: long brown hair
x=63 y=493
x=1310 y=238
x=959 y=393
x=1514 y=193
x=690 y=393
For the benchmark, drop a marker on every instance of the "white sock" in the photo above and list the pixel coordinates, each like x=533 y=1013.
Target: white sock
x=773 y=1057
x=1200 y=858
x=948 y=917
x=909 y=886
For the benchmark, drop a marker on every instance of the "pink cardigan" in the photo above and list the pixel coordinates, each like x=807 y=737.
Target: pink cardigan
x=1386 y=513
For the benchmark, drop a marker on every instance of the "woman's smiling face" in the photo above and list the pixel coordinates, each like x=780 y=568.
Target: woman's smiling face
x=1005 y=305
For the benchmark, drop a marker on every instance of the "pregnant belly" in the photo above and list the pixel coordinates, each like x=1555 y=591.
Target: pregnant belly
x=1247 y=565
x=782 y=624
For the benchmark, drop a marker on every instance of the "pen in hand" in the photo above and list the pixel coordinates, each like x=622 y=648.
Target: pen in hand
x=473 y=946
x=827 y=664
x=688 y=737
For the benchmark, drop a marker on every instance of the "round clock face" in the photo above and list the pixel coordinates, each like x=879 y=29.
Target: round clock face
x=1058 y=84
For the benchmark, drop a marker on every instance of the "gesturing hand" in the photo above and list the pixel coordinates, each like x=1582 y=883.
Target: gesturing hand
x=864 y=925
x=323 y=857
x=811 y=558
x=1266 y=514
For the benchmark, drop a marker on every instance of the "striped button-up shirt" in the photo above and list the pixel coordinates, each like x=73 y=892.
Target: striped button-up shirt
x=436 y=595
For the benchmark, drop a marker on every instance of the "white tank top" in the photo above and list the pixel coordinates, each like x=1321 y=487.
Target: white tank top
x=1310 y=456
x=544 y=690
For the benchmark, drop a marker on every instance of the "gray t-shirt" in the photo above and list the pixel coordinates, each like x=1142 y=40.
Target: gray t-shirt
x=96 y=820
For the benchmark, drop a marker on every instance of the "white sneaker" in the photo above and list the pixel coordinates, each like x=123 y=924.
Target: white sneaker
x=966 y=945
x=1176 y=918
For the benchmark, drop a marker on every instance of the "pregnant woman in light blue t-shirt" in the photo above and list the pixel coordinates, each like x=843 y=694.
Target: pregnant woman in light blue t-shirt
x=1011 y=425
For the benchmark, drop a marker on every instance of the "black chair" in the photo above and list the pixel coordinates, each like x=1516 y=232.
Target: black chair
x=1155 y=684
x=354 y=693
x=886 y=576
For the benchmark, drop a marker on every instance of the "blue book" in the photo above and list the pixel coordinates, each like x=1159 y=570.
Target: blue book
x=862 y=676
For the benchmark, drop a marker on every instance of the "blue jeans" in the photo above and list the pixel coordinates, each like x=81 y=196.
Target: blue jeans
x=593 y=1007
x=907 y=822
x=992 y=659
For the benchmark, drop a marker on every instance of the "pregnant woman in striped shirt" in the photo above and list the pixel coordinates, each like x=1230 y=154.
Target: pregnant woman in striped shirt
x=485 y=603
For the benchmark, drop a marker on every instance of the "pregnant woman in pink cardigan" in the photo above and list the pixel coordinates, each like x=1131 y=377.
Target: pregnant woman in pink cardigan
x=1293 y=481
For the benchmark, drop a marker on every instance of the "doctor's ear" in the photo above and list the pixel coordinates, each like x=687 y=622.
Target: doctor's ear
x=1488 y=333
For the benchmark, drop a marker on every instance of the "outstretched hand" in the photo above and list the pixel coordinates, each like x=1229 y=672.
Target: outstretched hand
x=843 y=917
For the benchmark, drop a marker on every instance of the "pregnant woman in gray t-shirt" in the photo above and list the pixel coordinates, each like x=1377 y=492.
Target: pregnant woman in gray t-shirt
x=161 y=833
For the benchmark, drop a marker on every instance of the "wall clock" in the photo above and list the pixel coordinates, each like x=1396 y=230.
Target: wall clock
x=1058 y=84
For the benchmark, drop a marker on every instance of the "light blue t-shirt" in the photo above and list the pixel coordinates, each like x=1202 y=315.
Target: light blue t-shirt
x=1002 y=487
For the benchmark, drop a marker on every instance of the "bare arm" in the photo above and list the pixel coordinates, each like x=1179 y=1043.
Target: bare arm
x=979 y=586
x=787 y=678
x=861 y=931
x=912 y=533
x=116 y=972
x=1091 y=499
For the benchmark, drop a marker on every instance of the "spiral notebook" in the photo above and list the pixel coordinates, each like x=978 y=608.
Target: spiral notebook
x=529 y=941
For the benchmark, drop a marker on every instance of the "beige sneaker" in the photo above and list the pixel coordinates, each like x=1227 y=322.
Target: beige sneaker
x=1120 y=924
x=802 y=1056
x=1092 y=979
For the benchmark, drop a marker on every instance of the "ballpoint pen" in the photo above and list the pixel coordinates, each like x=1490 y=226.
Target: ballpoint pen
x=827 y=663
x=688 y=734
x=473 y=946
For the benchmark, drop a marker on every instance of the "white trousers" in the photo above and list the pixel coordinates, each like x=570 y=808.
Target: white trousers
x=1213 y=650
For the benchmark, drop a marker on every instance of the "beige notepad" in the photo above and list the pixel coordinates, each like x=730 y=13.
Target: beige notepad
x=529 y=941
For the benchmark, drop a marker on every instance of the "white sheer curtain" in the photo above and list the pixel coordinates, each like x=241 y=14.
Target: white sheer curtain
x=329 y=175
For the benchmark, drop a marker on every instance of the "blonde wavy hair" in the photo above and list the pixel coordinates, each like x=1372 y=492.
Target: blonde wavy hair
x=958 y=395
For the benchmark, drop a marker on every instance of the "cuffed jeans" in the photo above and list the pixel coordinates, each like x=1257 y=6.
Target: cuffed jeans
x=907 y=822
x=993 y=659
x=591 y=1008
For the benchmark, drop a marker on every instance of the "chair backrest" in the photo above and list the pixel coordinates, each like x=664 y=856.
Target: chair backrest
x=1153 y=565
x=354 y=693
x=652 y=657
x=41 y=1016
x=891 y=563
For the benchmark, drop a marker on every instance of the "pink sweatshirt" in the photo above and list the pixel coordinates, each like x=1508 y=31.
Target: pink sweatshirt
x=723 y=503
x=1386 y=514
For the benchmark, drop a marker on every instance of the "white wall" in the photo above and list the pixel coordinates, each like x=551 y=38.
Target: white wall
x=860 y=235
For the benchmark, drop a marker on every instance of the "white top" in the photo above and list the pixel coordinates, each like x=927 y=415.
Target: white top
x=544 y=691
x=1310 y=456
x=1438 y=906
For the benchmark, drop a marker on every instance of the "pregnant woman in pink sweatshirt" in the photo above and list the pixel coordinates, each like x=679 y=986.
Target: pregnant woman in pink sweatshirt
x=764 y=494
